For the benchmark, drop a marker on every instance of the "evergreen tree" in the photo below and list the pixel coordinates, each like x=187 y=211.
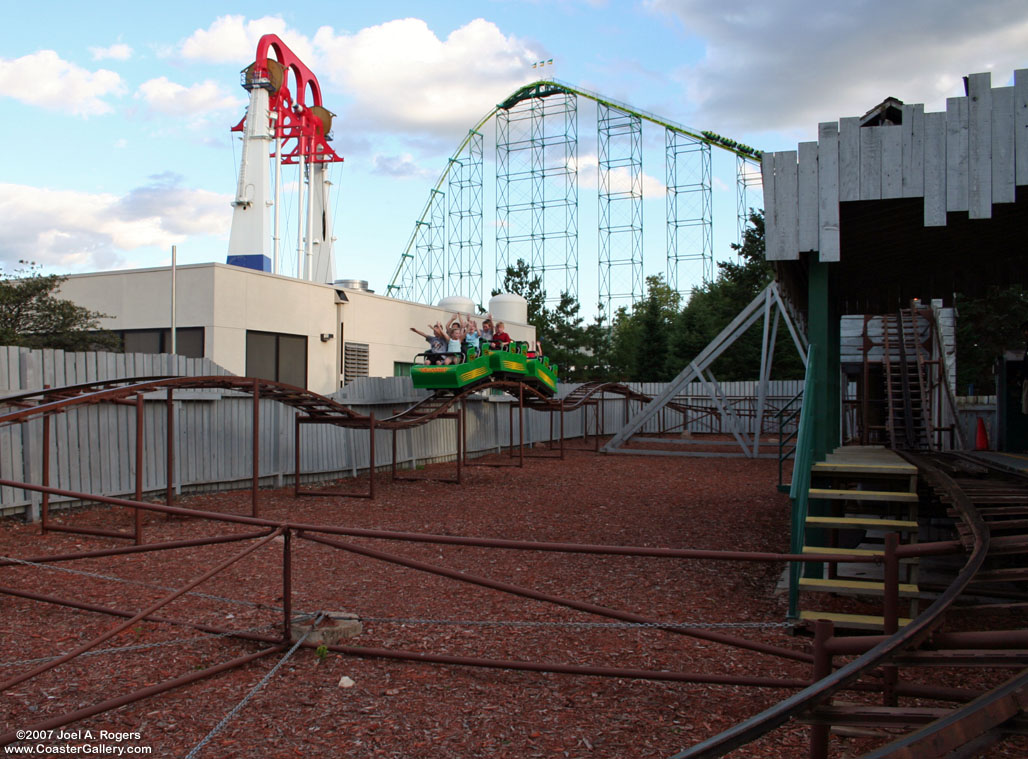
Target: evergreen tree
x=559 y=329
x=713 y=306
x=986 y=327
x=32 y=316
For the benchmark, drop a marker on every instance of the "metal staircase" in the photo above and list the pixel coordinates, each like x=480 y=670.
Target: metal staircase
x=908 y=417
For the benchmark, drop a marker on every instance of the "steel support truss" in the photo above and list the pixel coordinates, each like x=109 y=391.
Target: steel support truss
x=537 y=190
x=464 y=253
x=689 y=212
x=619 y=142
x=768 y=306
x=430 y=252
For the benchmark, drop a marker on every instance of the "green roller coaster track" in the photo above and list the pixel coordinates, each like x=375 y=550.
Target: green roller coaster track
x=543 y=88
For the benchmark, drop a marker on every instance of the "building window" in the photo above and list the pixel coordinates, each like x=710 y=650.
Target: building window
x=401 y=368
x=277 y=357
x=188 y=341
x=355 y=361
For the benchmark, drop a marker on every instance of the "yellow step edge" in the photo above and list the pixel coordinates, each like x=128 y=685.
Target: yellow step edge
x=897 y=524
x=853 y=586
x=843 y=551
x=855 y=621
x=895 y=496
x=841 y=466
x=853 y=552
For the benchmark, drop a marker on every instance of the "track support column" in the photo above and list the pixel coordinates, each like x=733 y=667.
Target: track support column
x=169 y=495
x=137 y=514
x=256 y=473
x=820 y=734
x=44 y=509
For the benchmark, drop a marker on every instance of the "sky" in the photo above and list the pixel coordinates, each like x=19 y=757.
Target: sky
x=116 y=115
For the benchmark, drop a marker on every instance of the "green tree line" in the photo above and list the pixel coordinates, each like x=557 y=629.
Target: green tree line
x=652 y=340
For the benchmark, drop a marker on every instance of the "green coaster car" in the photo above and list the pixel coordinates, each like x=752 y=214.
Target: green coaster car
x=513 y=364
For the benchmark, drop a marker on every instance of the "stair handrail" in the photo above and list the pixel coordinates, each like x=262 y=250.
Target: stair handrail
x=783 y=419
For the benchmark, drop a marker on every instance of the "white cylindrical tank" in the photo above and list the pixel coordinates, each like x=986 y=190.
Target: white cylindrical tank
x=509 y=307
x=458 y=304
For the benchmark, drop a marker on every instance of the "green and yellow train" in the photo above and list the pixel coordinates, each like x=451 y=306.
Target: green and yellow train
x=516 y=363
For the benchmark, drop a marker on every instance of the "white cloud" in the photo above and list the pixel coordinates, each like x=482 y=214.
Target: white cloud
x=399 y=166
x=44 y=79
x=620 y=179
x=233 y=39
x=397 y=76
x=790 y=64
x=167 y=97
x=117 y=52
x=402 y=77
x=74 y=230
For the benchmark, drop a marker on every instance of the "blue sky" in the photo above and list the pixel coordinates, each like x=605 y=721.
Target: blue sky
x=116 y=115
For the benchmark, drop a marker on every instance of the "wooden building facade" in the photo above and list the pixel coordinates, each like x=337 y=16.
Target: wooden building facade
x=898 y=205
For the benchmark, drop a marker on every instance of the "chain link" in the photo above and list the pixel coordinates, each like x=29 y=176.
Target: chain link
x=140 y=583
x=253 y=691
x=584 y=625
x=143 y=646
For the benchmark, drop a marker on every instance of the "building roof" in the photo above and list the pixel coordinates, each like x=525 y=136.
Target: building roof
x=906 y=203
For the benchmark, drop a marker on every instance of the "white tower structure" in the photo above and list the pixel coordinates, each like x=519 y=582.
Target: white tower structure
x=323 y=265
x=289 y=133
x=251 y=231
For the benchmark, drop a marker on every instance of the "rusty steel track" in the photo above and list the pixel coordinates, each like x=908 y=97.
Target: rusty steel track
x=988 y=511
x=981 y=500
x=37 y=403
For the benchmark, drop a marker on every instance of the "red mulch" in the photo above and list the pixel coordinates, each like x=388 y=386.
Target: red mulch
x=410 y=709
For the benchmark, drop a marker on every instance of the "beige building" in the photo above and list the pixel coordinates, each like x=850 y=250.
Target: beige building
x=266 y=325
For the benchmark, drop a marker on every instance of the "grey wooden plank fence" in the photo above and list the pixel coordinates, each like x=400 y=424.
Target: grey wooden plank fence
x=93 y=448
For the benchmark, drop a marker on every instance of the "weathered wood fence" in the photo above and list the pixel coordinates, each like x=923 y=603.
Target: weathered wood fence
x=93 y=447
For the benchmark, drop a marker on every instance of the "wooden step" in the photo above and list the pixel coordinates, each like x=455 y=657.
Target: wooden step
x=863 y=523
x=849 y=621
x=854 y=587
x=890 y=496
x=854 y=552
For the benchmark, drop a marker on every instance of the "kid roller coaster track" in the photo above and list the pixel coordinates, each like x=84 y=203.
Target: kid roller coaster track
x=986 y=507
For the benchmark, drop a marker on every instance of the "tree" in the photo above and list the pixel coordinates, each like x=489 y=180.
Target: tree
x=559 y=329
x=986 y=327
x=520 y=280
x=713 y=306
x=32 y=316
x=640 y=338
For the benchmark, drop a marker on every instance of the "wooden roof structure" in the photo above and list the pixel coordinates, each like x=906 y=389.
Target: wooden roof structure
x=923 y=208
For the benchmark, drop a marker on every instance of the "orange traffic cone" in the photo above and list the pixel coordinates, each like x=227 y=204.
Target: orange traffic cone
x=981 y=438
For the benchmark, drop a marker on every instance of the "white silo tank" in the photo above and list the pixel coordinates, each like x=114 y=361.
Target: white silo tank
x=458 y=304
x=508 y=307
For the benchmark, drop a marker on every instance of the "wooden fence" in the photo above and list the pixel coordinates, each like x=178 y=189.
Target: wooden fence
x=93 y=447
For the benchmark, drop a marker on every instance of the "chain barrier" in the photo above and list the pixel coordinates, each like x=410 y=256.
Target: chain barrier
x=253 y=691
x=585 y=625
x=143 y=646
x=151 y=586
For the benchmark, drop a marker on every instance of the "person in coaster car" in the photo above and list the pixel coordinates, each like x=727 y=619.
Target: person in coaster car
x=500 y=339
x=436 y=343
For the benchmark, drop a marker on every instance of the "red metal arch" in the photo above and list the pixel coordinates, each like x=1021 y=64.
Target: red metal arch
x=304 y=76
x=303 y=126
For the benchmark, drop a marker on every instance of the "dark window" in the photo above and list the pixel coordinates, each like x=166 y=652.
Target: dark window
x=188 y=341
x=272 y=356
x=402 y=368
